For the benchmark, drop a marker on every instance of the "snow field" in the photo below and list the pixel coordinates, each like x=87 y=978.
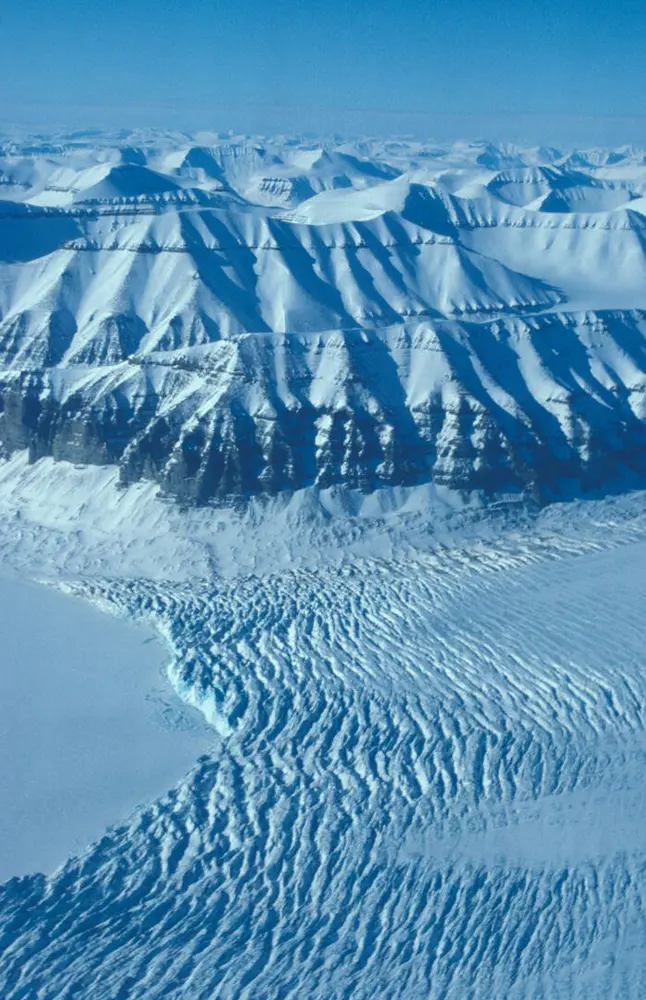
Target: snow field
x=428 y=780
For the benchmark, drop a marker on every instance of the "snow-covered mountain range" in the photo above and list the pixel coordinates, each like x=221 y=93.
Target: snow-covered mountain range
x=419 y=764
x=236 y=316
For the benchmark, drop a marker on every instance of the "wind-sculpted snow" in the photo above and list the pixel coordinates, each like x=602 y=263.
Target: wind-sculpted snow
x=428 y=784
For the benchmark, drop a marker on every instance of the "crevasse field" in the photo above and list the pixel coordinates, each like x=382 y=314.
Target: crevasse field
x=355 y=434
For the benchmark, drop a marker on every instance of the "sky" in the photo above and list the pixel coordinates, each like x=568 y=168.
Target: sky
x=518 y=69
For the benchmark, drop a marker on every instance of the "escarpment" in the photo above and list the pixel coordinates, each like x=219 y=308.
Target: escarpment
x=554 y=403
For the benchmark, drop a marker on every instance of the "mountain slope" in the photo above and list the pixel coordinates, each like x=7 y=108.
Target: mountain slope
x=153 y=314
x=547 y=402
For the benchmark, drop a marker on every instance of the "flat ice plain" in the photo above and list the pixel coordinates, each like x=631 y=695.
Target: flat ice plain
x=89 y=727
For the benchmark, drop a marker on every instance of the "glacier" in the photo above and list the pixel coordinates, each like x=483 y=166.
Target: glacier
x=357 y=428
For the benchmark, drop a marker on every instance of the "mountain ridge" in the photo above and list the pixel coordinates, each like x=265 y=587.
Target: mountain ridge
x=125 y=270
x=496 y=406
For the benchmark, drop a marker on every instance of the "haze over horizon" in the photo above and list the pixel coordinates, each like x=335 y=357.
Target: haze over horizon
x=559 y=73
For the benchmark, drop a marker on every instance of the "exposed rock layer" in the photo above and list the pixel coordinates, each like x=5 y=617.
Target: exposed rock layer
x=555 y=403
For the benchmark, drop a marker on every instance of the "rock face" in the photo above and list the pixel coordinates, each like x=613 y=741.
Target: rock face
x=555 y=403
x=249 y=318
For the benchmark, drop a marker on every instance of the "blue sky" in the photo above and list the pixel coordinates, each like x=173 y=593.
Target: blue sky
x=546 y=71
